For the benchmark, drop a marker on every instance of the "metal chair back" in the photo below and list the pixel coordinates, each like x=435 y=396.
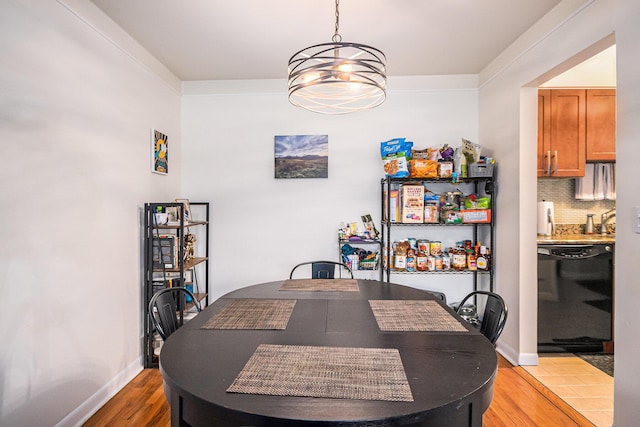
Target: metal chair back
x=324 y=269
x=494 y=317
x=163 y=309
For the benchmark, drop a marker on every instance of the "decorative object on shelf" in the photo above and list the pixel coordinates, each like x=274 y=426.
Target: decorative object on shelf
x=189 y=246
x=159 y=152
x=337 y=77
x=187 y=209
x=302 y=156
x=173 y=218
x=161 y=218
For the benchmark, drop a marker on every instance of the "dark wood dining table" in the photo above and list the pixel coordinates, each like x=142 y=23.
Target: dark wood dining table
x=450 y=373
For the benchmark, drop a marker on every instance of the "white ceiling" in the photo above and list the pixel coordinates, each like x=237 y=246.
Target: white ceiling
x=254 y=39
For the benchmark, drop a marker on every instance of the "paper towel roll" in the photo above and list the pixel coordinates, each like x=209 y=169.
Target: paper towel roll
x=544 y=219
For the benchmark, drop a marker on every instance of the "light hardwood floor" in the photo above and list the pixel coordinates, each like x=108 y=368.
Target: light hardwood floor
x=519 y=401
x=583 y=386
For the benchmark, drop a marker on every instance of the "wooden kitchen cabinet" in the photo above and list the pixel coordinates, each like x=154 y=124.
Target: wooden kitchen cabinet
x=601 y=125
x=561 y=132
x=544 y=132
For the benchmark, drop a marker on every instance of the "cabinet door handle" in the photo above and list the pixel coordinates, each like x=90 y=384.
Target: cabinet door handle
x=555 y=169
x=548 y=156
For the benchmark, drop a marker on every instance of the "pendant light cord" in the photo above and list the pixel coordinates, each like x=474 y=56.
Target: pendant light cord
x=337 y=38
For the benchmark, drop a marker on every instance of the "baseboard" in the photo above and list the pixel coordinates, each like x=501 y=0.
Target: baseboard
x=82 y=413
x=528 y=359
x=507 y=352
x=517 y=358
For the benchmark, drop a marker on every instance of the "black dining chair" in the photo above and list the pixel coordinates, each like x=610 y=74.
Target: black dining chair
x=163 y=309
x=440 y=295
x=324 y=269
x=495 y=314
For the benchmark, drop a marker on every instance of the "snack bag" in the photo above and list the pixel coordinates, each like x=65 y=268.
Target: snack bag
x=395 y=154
x=446 y=153
x=434 y=153
x=421 y=154
x=471 y=151
x=475 y=202
x=423 y=168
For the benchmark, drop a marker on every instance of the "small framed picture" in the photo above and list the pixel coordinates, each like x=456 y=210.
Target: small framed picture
x=187 y=209
x=159 y=153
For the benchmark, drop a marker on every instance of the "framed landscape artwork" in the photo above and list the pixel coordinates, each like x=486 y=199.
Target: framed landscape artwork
x=302 y=156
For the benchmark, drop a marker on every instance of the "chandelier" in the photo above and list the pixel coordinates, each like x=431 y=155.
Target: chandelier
x=337 y=77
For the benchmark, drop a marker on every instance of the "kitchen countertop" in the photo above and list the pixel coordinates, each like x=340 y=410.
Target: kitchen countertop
x=577 y=238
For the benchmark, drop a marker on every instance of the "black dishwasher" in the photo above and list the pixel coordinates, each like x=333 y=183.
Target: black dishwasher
x=575 y=288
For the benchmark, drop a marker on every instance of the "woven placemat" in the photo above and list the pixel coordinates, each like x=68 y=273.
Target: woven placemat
x=344 y=285
x=414 y=315
x=333 y=372
x=253 y=314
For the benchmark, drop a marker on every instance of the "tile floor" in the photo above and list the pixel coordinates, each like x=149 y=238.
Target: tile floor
x=583 y=386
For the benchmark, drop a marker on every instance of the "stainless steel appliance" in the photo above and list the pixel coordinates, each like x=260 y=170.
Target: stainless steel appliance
x=575 y=288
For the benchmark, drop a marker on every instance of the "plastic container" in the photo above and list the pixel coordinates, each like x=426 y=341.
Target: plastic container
x=480 y=170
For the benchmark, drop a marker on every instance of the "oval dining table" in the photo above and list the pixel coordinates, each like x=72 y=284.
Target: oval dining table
x=449 y=373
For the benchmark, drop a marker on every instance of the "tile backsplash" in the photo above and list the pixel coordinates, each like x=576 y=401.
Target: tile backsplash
x=567 y=209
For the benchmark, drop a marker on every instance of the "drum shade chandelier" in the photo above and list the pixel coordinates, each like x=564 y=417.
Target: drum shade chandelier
x=337 y=77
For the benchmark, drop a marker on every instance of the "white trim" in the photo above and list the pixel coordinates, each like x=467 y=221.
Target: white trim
x=517 y=359
x=85 y=410
x=95 y=19
x=528 y=359
x=463 y=82
x=564 y=12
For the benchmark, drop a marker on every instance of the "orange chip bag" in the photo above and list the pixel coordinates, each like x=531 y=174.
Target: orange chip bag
x=421 y=168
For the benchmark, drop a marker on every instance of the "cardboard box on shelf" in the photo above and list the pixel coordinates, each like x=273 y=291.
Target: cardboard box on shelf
x=412 y=203
x=476 y=216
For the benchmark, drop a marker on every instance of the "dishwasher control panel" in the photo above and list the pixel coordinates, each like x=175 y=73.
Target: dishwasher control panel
x=574 y=251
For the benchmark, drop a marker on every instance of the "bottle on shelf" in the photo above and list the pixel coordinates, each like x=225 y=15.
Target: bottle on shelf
x=483 y=259
x=458 y=258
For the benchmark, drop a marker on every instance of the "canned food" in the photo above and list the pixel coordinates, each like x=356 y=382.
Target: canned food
x=446 y=262
x=412 y=243
x=435 y=248
x=423 y=246
x=431 y=263
x=421 y=261
x=411 y=263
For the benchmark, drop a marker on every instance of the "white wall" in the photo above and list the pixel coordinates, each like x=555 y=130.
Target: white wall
x=626 y=16
x=75 y=119
x=574 y=31
x=262 y=226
